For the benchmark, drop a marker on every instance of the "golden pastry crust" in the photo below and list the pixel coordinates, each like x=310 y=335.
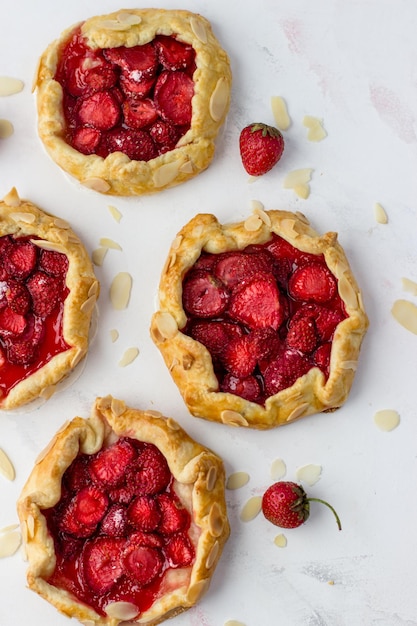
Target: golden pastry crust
x=199 y=482
x=190 y=363
x=22 y=218
x=117 y=174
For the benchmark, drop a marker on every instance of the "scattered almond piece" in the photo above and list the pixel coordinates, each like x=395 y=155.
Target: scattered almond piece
x=115 y=213
x=10 y=543
x=298 y=180
x=114 y=335
x=129 y=356
x=278 y=469
x=280 y=541
x=315 y=127
x=121 y=610
x=6 y=466
x=105 y=242
x=406 y=314
x=98 y=256
x=237 y=480
x=380 y=214
x=233 y=622
x=6 y=129
x=309 y=474
x=9 y=86
x=386 y=419
x=280 y=113
x=120 y=290
x=409 y=285
x=251 y=509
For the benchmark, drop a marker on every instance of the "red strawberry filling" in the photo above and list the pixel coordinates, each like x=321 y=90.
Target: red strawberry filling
x=267 y=314
x=123 y=525
x=134 y=100
x=32 y=296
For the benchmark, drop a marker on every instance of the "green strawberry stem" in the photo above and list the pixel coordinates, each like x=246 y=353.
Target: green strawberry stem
x=339 y=525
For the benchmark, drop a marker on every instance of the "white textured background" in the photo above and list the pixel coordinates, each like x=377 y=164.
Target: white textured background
x=353 y=64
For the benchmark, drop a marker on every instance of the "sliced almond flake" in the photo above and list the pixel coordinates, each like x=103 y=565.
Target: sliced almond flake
x=211 y=478
x=288 y=227
x=6 y=129
x=237 y=480
x=233 y=418
x=115 y=213
x=78 y=356
x=380 y=214
x=98 y=256
x=129 y=356
x=251 y=509
x=94 y=288
x=187 y=361
x=302 y=217
x=198 y=29
x=187 y=168
x=406 y=314
x=120 y=290
x=105 y=242
x=60 y=223
x=23 y=216
x=8 y=528
x=263 y=216
x=233 y=622
x=177 y=242
x=215 y=520
x=166 y=325
x=213 y=554
x=409 y=285
x=48 y=245
x=387 y=419
x=298 y=411
x=280 y=112
x=297 y=177
x=97 y=184
x=347 y=293
x=125 y=17
x=280 y=541
x=349 y=365
x=154 y=414
x=166 y=173
x=253 y=223
x=6 y=466
x=10 y=86
x=30 y=526
x=121 y=610
x=316 y=131
x=197 y=590
x=302 y=191
x=114 y=335
x=309 y=474
x=10 y=543
x=219 y=99
x=88 y=305
x=112 y=25
x=172 y=424
x=12 y=198
x=278 y=469
x=118 y=407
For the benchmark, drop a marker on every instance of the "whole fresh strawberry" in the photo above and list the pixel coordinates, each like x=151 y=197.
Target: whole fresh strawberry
x=261 y=147
x=286 y=504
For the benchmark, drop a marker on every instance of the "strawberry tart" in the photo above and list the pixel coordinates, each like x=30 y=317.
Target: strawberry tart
x=131 y=102
x=124 y=517
x=48 y=292
x=260 y=322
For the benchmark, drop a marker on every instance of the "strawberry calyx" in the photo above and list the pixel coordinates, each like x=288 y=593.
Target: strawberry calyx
x=265 y=130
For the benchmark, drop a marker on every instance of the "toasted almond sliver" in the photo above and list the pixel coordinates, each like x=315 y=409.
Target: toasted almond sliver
x=112 y=25
x=115 y=213
x=48 y=245
x=106 y=242
x=166 y=173
x=237 y=480
x=213 y=554
x=12 y=198
x=315 y=127
x=30 y=526
x=97 y=184
x=253 y=223
x=280 y=113
x=233 y=622
x=263 y=215
x=198 y=29
x=297 y=177
x=233 y=418
x=409 y=285
x=125 y=17
x=215 y=520
x=251 y=509
x=114 y=335
x=309 y=474
x=23 y=216
x=121 y=610
x=280 y=541
x=129 y=356
x=302 y=191
x=380 y=214
x=219 y=99
x=98 y=256
x=186 y=167
x=386 y=419
x=6 y=129
x=8 y=528
x=120 y=290
x=278 y=469
x=166 y=324
x=10 y=543
x=9 y=86
x=6 y=466
x=211 y=478
x=347 y=293
x=172 y=424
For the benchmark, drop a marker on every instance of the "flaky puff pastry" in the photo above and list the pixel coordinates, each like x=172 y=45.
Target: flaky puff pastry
x=199 y=481
x=22 y=218
x=117 y=174
x=190 y=363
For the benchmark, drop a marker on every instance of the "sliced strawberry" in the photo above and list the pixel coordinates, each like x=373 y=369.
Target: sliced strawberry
x=325 y=318
x=5 y=247
x=302 y=335
x=248 y=388
x=114 y=523
x=215 y=335
x=142 y=563
x=11 y=323
x=173 y=518
x=151 y=540
x=258 y=303
x=89 y=73
x=90 y=505
x=173 y=54
x=136 y=144
x=204 y=295
x=45 y=291
x=3 y=357
x=205 y=262
x=139 y=113
x=102 y=564
x=123 y=494
x=284 y=371
x=100 y=110
x=86 y=139
x=268 y=343
x=53 y=263
x=321 y=357
x=240 y=356
x=173 y=94
x=179 y=551
x=144 y=513
x=232 y=268
x=23 y=349
x=77 y=475
x=151 y=473
x=165 y=135
x=312 y=283
x=18 y=297
x=110 y=465
x=21 y=259
x=136 y=86
x=141 y=59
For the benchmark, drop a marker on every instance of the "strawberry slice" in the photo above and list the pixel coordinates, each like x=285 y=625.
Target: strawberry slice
x=139 y=113
x=321 y=357
x=268 y=343
x=302 y=335
x=21 y=259
x=312 y=283
x=11 y=323
x=45 y=291
x=258 y=303
x=136 y=144
x=53 y=263
x=179 y=551
x=86 y=139
x=23 y=349
x=114 y=523
x=173 y=519
x=325 y=318
x=84 y=512
x=240 y=356
x=89 y=73
x=151 y=540
x=204 y=295
x=284 y=371
x=101 y=110
x=18 y=297
x=141 y=59
x=248 y=388
x=173 y=94
x=165 y=135
x=173 y=54
x=150 y=474
x=77 y=475
x=102 y=563
x=109 y=466
x=136 y=86
x=232 y=268
x=144 y=513
x=215 y=335
x=142 y=563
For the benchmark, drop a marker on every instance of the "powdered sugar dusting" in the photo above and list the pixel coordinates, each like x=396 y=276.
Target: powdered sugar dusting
x=393 y=112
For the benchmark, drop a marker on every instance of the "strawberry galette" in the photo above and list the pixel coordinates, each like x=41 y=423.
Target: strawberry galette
x=48 y=291
x=260 y=322
x=124 y=517
x=131 y=102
